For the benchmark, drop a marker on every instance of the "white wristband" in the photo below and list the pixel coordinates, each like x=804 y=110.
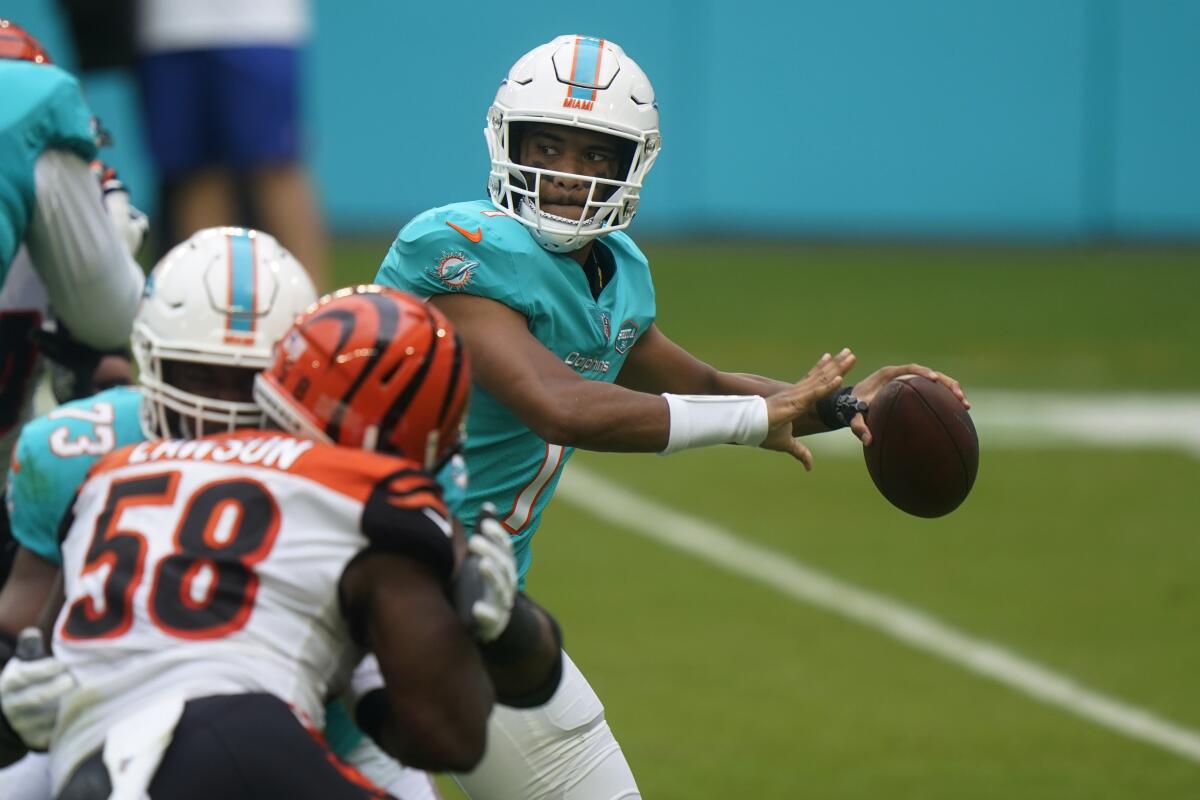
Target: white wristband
x=701 y=420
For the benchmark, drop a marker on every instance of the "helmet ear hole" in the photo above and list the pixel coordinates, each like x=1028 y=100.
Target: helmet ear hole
x=626 y=151
x=517 y=131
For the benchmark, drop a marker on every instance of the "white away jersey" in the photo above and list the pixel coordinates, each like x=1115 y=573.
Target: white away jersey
x=212 y=566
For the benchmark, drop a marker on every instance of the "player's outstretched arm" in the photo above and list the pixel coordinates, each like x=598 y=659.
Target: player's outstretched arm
x=549 y=397
x=438 y=691
x=657 y=364
x=564 y=408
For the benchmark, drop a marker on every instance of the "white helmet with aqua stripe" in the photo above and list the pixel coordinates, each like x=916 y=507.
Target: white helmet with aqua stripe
x=581 y=82
x=210 y=315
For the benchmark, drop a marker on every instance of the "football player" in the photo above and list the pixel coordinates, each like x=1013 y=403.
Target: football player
x=67 y=237
x=557 y=306
x=218 y=590
x=212 y=310
x=51 y=202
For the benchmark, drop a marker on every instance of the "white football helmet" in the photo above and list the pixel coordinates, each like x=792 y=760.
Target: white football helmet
x=223 y=297
x=582 y=82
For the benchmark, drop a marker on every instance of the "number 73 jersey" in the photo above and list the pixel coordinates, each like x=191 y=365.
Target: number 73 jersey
x=212 y=566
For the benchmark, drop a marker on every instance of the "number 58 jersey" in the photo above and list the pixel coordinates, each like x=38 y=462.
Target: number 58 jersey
x=212 y=566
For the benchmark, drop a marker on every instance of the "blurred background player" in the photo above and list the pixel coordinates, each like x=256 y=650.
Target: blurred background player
x=67 y=239
x=557 y=307
x=338 y=553
x=220 y=89
x=213 y=308
x=51 y=198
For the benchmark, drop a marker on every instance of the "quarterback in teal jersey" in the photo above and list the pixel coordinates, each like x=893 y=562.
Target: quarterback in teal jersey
x=556 y=306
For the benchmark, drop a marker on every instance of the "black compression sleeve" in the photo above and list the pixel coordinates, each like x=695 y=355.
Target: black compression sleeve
x=371 y=711
x=522 y=637
x=837 y=409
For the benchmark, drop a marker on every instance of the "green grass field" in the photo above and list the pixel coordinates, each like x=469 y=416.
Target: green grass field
x=1085 y=561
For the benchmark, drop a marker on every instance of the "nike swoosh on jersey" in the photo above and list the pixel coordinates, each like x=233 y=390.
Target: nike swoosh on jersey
x=473 y=236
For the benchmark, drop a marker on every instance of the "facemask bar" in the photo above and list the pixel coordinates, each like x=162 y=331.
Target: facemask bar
x=594 y=210
x=197 y=415
x=510 y=192
x=280 y=411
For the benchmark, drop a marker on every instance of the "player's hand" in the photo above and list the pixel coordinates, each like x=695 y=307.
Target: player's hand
x=490 y=577
x=868 y=387
x=31 y=692
x=131 y=224
x=800 y=400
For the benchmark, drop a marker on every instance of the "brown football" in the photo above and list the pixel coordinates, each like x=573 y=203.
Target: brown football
x=925 y=453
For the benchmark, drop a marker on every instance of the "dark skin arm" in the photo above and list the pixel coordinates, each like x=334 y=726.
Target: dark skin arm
x=515 y=672
x=23 y=602
x=656 y=364
x=23 y=598
x=522 y=663
x=564 y=408
x=437 y=685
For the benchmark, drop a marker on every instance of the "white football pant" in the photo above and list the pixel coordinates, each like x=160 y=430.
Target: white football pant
x=388 y=774
x=27 y=779
x=563 y=750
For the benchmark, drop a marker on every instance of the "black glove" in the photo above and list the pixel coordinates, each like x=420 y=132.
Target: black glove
x=72 y=363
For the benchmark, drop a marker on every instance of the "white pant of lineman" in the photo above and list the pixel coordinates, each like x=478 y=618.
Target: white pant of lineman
x=563 y=750
x=27 y=779
x=403 y=783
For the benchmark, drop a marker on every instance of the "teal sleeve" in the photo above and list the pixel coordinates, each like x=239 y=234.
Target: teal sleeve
x=430 y=257
x=34 y=508
x=71 y=120
x=453 y=480
x=53 y=456
x=341 y=734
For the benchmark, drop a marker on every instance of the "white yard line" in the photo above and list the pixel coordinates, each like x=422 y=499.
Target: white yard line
x=1024 y=420
x=1003 y=419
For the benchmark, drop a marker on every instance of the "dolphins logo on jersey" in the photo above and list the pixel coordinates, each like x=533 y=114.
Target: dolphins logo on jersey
x=454 y=271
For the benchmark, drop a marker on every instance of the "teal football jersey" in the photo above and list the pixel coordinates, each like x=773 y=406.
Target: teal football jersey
x=42 y=108
x=53 y=456
x=474 y=249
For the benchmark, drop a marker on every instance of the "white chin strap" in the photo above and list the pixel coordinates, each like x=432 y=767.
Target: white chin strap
x=554 y=233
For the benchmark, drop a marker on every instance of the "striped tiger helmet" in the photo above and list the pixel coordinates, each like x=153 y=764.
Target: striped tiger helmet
x=374 y=368
x=222 y=298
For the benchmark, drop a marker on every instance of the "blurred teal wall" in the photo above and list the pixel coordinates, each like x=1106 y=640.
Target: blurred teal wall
x=1027 y=119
